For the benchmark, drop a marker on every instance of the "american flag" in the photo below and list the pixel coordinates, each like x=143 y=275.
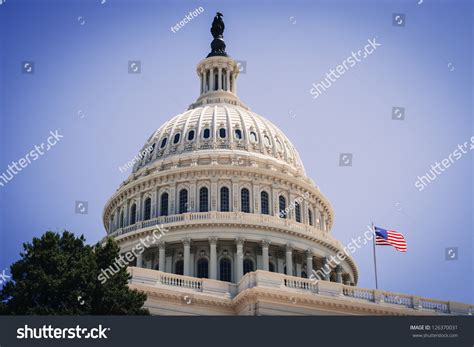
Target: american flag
x=390 y=238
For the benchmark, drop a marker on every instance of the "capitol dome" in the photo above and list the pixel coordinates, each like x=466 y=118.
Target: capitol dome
x=217 y=127
x=230 y=191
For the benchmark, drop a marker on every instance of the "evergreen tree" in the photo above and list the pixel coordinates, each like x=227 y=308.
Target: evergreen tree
x=58 y=275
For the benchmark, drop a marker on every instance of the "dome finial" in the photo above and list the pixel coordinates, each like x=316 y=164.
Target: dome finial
x=217 y=31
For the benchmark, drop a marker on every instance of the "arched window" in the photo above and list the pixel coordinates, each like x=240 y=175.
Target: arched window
x=222 y=133
x=206 y=133
x=248 y=266
x=282 y=206
x=179 y=267
x=163 y=143
x=267 y=140
x=225 y=270
x=164 y=204
x=121 y=219
x=183 y=201
x=245 y=200
x=203 y=200
x=133 y=214
x=264 y=202
x=238 y=134
x=310 y=217
x=176 y=138
x=298 y=212
x=191 y=135
x=271 y=267
x=147 y=209
x=150 y=153
x=253 y=136
x=225 y=199
x=202 y=268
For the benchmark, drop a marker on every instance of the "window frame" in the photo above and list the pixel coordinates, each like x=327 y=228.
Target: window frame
x=183 y=207
x=203 y=199
x=227 y=199
x=245 y=207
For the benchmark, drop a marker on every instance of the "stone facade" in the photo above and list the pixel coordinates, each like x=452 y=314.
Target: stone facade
x=268 y=293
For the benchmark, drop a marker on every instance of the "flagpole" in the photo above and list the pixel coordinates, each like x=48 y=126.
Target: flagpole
x=375 y=258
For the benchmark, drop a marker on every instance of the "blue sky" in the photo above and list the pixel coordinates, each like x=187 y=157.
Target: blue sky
x=81 y=87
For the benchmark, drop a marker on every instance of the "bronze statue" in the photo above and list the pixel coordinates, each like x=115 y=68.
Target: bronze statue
x=217 y=31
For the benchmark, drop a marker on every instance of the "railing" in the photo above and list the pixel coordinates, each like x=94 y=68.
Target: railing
x=431 y=304
x=296 y=283
x=265 y=279
x=180 y=281
x=398 y=299
x=358 y=293
x=238 y=217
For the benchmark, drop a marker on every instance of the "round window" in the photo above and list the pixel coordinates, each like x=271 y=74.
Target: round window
x=176 y=138
x=163 y=142
x=267 y=140
x=191 y=135
x=253 y=136
x=238 y=134
x=222 y=133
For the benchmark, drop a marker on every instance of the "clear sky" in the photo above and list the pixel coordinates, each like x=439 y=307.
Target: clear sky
x=81 y=86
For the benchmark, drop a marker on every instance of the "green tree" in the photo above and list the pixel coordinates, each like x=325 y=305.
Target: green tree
x=58 y=275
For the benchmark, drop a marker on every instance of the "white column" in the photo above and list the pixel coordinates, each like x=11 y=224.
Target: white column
x=265 y=245
x=138 y=214
x=139 y=259
x=227 y=80
x=201 y=80
x=275 y=203
x=339 y=274
x=309 y=263
x=289 y=260
x=213 y=195
x=154 y=205
x=213 y=262
x=256 y=199
x=326 y=269
x=205 y=81
x=234 y=89
x=161 y=259
x=126 y=214
x=240 y=258
x=187 y=250
x=211 y=79
x=219 y=77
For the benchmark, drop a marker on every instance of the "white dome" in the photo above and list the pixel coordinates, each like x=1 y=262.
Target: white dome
x=220 y=127
x=221 y=175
